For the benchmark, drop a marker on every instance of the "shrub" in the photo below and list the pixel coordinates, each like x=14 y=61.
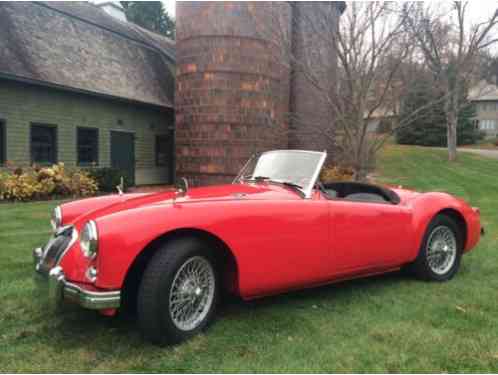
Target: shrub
x=18 y=186
x=44 y=183
x=108 y=178
x=336 y=173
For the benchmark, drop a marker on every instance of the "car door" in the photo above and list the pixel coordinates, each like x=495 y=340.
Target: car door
x=368 y=234
x=279 y=245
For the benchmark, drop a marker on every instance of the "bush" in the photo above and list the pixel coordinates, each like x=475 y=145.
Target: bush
x=336 y=173
x=43 y=183
x=494 y=141
x=108 y=178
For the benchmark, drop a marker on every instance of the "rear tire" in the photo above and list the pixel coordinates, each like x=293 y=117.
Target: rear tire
x=440 y=252
x=179 y=292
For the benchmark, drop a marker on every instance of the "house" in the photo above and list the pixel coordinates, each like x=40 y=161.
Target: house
x=382 y=120
x=81 y=85
x=485 y=97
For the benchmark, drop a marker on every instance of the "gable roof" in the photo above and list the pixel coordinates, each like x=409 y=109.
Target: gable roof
x=77 y=46
x=483 y=91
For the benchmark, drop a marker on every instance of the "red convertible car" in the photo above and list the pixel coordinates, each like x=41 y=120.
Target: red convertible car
x=276 y=228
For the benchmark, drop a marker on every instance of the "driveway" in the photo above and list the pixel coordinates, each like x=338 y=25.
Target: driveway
x=493 y=154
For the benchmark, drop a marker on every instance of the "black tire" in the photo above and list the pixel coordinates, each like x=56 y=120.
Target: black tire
x=421 y=268
x=153 y=302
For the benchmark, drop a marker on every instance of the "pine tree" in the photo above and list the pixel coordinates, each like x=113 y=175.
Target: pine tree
x=151 y=15
x=429 y=126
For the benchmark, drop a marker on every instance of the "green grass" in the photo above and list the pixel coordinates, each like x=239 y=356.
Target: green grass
x=384 y=324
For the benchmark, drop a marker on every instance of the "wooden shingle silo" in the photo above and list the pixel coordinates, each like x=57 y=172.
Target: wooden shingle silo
x=232 y=86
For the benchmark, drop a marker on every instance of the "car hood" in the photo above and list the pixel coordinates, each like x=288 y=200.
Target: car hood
x=81 y=211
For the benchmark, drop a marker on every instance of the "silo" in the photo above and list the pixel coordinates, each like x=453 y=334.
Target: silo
x=314 y=23
x=232 y=86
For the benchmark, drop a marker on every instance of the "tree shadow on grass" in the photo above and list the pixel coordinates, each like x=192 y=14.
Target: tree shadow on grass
x=76 y=328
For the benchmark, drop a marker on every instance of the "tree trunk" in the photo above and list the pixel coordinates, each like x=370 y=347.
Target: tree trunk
x=452 y=121
x=360 y=174
x=360 y=165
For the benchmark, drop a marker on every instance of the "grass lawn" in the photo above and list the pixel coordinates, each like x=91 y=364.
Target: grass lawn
x=384 y=324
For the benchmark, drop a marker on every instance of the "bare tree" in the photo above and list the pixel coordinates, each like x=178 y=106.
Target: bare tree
x=352 y=70
x=450 y=46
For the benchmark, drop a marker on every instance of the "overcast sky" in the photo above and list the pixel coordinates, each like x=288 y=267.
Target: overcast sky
x=478 y=10
x=170 y=6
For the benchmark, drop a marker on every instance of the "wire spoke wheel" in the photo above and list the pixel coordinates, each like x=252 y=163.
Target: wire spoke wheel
x=192 y=293
x=441 y=250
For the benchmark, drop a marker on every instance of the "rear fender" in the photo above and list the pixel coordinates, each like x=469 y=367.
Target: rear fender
x=427 y=206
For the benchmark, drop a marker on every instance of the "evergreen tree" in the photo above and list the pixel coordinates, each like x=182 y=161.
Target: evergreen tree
x=151 y=15
x=467 y=132
x=429 y=126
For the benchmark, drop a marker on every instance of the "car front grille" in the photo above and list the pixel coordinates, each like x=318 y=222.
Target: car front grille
x=55 y=248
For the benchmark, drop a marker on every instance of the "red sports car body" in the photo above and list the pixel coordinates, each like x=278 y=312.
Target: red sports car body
x=271 y=235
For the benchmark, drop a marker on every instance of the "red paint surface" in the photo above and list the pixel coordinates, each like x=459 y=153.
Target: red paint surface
x=280 y=241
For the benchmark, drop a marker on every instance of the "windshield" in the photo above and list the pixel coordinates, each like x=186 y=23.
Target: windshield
x=298 y=168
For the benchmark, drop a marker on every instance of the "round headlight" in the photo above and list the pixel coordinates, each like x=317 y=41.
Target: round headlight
x=89 y=240
x=56 y=219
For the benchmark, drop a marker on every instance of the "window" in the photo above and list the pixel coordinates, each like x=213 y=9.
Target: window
x=88 y=146
x=3 y=143
x=487 y=124
x=163 y=150
x=43 y=144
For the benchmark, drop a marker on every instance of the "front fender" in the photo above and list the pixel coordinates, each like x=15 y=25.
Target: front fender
x=123 y=235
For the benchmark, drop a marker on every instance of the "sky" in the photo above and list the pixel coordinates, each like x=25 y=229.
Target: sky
x=170 y=7
x=478 y=9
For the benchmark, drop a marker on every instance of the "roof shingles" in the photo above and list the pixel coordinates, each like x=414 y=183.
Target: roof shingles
x=77 y=45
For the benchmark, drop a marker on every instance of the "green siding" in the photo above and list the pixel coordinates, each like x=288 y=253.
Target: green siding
x=22 y=104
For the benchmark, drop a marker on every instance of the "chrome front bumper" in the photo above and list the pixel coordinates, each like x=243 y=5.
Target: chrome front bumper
x=60 y=290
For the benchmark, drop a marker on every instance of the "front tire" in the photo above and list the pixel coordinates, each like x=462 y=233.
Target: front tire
x=441 y=250
x=179 y=291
